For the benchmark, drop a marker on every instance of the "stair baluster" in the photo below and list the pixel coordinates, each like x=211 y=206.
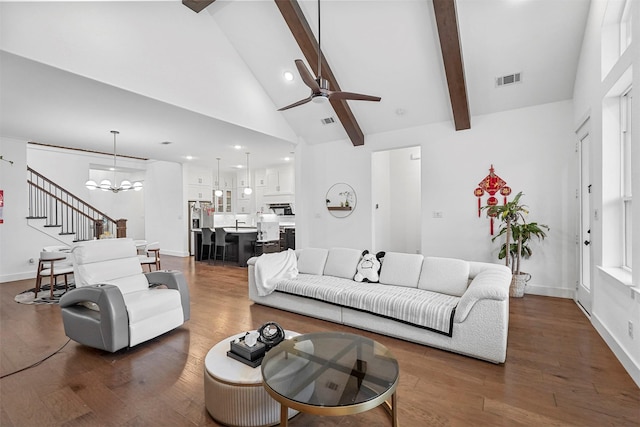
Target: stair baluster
x=61 y=208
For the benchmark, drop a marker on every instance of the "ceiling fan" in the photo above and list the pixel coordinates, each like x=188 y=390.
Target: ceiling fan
x=320 y=86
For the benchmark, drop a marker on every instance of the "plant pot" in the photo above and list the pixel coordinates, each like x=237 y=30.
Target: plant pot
x=518 y=283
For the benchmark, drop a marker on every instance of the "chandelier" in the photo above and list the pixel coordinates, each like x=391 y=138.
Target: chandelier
x=106 y=185
x=218 y=192
x=248 y=190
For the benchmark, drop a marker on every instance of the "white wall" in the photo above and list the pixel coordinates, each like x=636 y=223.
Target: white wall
x=614 y=303
x=166 y=208
x=533 y=149
x=15 y=241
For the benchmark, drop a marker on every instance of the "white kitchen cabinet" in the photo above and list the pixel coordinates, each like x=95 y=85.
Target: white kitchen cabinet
x=280 y=181
x=199 y=176
x=199 y=192
x=260 y=176
x=198 y=183
x=287 y=180
x=244 y=202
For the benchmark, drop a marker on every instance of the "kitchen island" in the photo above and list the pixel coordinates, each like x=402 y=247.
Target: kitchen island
x=246 y=242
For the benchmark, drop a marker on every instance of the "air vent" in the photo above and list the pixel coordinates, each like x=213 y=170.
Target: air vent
x=509 y=79
x=328 y=120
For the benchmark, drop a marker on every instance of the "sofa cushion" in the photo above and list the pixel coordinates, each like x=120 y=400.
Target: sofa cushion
x=430 y=310
x=90 y=251
x=445 y=275
x=401 y=269
x=323 y=288
x=149 y=303
x=342 y=262
x=126 y=273
x=312 y=261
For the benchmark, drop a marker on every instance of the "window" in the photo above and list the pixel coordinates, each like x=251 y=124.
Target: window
x=626 y=130
x=616 y=34
x=625 y=26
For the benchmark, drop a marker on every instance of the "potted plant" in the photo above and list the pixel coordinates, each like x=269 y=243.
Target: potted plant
x=518 y=233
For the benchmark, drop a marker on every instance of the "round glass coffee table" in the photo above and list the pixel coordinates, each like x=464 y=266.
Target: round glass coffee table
x=348 y=373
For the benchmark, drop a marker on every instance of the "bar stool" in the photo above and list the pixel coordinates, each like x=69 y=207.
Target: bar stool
x=207 y=240
x=53 y=265
x=221 y=239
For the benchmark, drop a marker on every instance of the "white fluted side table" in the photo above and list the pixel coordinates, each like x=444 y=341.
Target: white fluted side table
x=233 y=391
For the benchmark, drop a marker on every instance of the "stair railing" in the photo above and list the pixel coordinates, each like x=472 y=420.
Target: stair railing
x=61 y=208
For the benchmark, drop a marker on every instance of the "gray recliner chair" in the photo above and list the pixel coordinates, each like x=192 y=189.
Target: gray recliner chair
x=115 y=305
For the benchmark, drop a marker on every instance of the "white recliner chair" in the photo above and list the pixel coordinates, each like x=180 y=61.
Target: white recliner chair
x=115 y=305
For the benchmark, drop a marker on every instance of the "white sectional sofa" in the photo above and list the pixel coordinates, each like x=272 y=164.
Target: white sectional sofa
x=451 y=304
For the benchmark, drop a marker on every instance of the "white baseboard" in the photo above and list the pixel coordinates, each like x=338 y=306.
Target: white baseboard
x=627 y=362
x=549 y=291
x=18 y=276
x=174 y=253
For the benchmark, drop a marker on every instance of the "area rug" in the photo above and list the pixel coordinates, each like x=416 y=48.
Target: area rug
x=44 y=296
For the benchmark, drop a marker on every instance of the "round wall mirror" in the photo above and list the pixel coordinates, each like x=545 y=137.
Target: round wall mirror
x=341 y=200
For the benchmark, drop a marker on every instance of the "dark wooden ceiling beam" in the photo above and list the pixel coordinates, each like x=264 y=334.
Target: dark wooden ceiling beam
x=295 y=19
x=447 y=22
x=197 y=5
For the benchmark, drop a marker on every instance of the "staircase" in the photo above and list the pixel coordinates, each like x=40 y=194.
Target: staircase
x=64 y=216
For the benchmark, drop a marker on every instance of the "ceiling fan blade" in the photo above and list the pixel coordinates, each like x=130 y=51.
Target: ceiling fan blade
x=307 y=77
x=353 y=96
x=295 y=104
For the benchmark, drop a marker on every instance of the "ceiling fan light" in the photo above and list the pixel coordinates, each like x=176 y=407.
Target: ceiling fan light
x=91 y=184
x=320 y=99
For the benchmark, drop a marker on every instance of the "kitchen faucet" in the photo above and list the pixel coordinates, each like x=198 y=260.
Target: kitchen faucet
x=239 y=222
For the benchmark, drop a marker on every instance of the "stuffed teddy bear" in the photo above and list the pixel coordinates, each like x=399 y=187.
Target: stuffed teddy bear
x=368 y=269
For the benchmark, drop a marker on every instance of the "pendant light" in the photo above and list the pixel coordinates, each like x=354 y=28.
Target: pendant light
x=218 y=192
x=247 y=190
x=106 y=185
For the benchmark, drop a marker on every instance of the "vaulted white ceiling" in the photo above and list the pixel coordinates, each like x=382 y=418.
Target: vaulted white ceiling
x=157 y=71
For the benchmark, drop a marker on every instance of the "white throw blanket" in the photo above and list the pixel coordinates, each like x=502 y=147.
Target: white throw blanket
x=270 y=268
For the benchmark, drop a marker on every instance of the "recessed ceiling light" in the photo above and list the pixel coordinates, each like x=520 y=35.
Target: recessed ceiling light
x=188 y=157
x=288 y=76
x=237 y=147
x=286 y=159
x=239 y=166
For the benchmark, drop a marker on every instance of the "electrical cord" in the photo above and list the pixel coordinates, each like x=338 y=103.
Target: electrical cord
x=33 y=365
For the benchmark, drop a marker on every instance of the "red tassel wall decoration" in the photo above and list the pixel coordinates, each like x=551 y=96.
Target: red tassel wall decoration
x=491 y=184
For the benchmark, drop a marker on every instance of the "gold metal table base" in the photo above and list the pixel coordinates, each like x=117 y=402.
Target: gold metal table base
x=390 y=408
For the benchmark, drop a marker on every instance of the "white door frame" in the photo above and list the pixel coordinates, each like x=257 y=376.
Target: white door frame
x=583 y=287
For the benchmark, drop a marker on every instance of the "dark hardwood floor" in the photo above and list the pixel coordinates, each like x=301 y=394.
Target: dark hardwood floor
x=558 y=370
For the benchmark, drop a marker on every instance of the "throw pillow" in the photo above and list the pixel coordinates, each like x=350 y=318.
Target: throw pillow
x=342 y=262
x=401 y=269
x=368 y=269
x=445 y=275
x=312 y=261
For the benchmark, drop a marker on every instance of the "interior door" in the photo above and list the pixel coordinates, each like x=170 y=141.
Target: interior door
x=583 y=294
